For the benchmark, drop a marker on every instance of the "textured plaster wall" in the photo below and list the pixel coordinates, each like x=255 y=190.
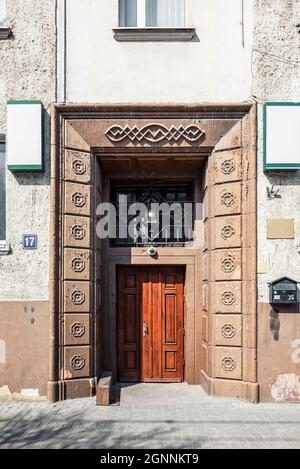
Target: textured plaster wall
x=216 y=67
x=276 y=77
x=27 y=72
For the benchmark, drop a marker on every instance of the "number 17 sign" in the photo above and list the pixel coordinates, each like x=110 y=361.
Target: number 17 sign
x=30 y=241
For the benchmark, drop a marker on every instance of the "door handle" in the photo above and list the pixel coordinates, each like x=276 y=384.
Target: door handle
x=145 y=329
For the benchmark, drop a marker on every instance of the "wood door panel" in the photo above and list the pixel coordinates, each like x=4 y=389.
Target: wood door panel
x=173 y=309
x=128 y=326
x=150 y=324
x=170 y=322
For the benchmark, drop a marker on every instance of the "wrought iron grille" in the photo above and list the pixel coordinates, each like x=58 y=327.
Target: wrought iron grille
x=167 y=219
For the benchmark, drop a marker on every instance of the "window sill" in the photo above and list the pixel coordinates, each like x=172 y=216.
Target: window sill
x=4 y=248
x=5 y=33
x=153 y=34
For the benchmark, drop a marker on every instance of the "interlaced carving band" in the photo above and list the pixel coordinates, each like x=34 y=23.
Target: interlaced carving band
x=154 y=133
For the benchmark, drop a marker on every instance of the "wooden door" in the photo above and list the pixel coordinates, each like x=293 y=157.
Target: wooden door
x=150 y=324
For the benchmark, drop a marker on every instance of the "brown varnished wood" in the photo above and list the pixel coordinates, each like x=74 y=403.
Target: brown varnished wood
x=128 y=325
x=154 y=297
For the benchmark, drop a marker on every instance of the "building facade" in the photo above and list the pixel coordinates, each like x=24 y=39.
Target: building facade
x=161 y=101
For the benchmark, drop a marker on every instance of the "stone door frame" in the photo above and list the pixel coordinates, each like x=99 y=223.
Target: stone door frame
x=228 y=142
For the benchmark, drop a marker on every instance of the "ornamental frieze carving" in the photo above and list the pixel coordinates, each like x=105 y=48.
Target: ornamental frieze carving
x=78 y=167
x=77 y=297
x=227 y=199
x=228 y=264
x=79 y=199
x=227 y=232
x=228 y=364
x=78 y=265
x=77 y=362
x=78 y=232
x=154 y=133
x=228 y=166
x=77 y=329
x=228 y=298
x=228 y=331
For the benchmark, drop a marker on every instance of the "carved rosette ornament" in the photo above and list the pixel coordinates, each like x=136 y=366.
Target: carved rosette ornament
x=77 y=362
x=227 y=199
x=77 y=329
x=79 y=199
x=228 y=298
x=227 y=232
x=78 y=232
x=77 y=297
x=78 y=167
x=228 y=264
x=78 y=265
x=228 y=331
x=228 y=166
x=228 y=364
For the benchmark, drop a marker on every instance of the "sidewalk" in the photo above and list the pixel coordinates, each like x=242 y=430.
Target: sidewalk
x=150 y=416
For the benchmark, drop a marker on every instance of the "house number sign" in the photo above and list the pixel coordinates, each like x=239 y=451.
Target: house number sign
x=30 y=241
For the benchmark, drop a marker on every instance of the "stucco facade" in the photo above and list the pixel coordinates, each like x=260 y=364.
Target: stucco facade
x=27 y=72
x=65 y=52
x=276 y=70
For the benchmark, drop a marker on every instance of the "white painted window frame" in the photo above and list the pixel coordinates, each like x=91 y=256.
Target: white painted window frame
x=5 y=31
x=141 y=14
x=2 y=13
x=143 y=33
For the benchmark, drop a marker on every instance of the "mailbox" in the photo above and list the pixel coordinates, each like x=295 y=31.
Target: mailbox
x=284 y=291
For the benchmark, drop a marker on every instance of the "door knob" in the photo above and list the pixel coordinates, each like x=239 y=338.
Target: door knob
x=145 y=329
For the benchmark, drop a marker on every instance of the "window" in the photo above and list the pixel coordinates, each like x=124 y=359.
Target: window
x=159 y=213
x=152 y=13
x=2 y=12
x=2 y=189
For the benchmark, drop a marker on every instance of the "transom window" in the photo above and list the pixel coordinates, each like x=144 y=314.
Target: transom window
x=152 y=13
x=2 y=12
x=153 y=212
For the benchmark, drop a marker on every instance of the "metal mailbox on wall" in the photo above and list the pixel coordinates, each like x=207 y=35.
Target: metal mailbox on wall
x=25 y=136
x=284 y=291
x=281 y=136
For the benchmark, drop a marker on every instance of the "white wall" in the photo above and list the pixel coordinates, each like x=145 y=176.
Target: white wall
x=276 y=73
x=27 y=72
x=217 y=68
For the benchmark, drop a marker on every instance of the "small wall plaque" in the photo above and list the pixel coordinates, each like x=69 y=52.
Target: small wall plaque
x=30 y=241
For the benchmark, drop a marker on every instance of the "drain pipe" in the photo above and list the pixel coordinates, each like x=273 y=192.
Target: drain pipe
x=53 y=383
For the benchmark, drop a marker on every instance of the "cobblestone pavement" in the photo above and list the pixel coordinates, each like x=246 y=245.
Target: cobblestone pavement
x=150 y=417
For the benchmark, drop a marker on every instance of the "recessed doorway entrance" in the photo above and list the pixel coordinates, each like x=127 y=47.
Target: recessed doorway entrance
x=150 y=329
